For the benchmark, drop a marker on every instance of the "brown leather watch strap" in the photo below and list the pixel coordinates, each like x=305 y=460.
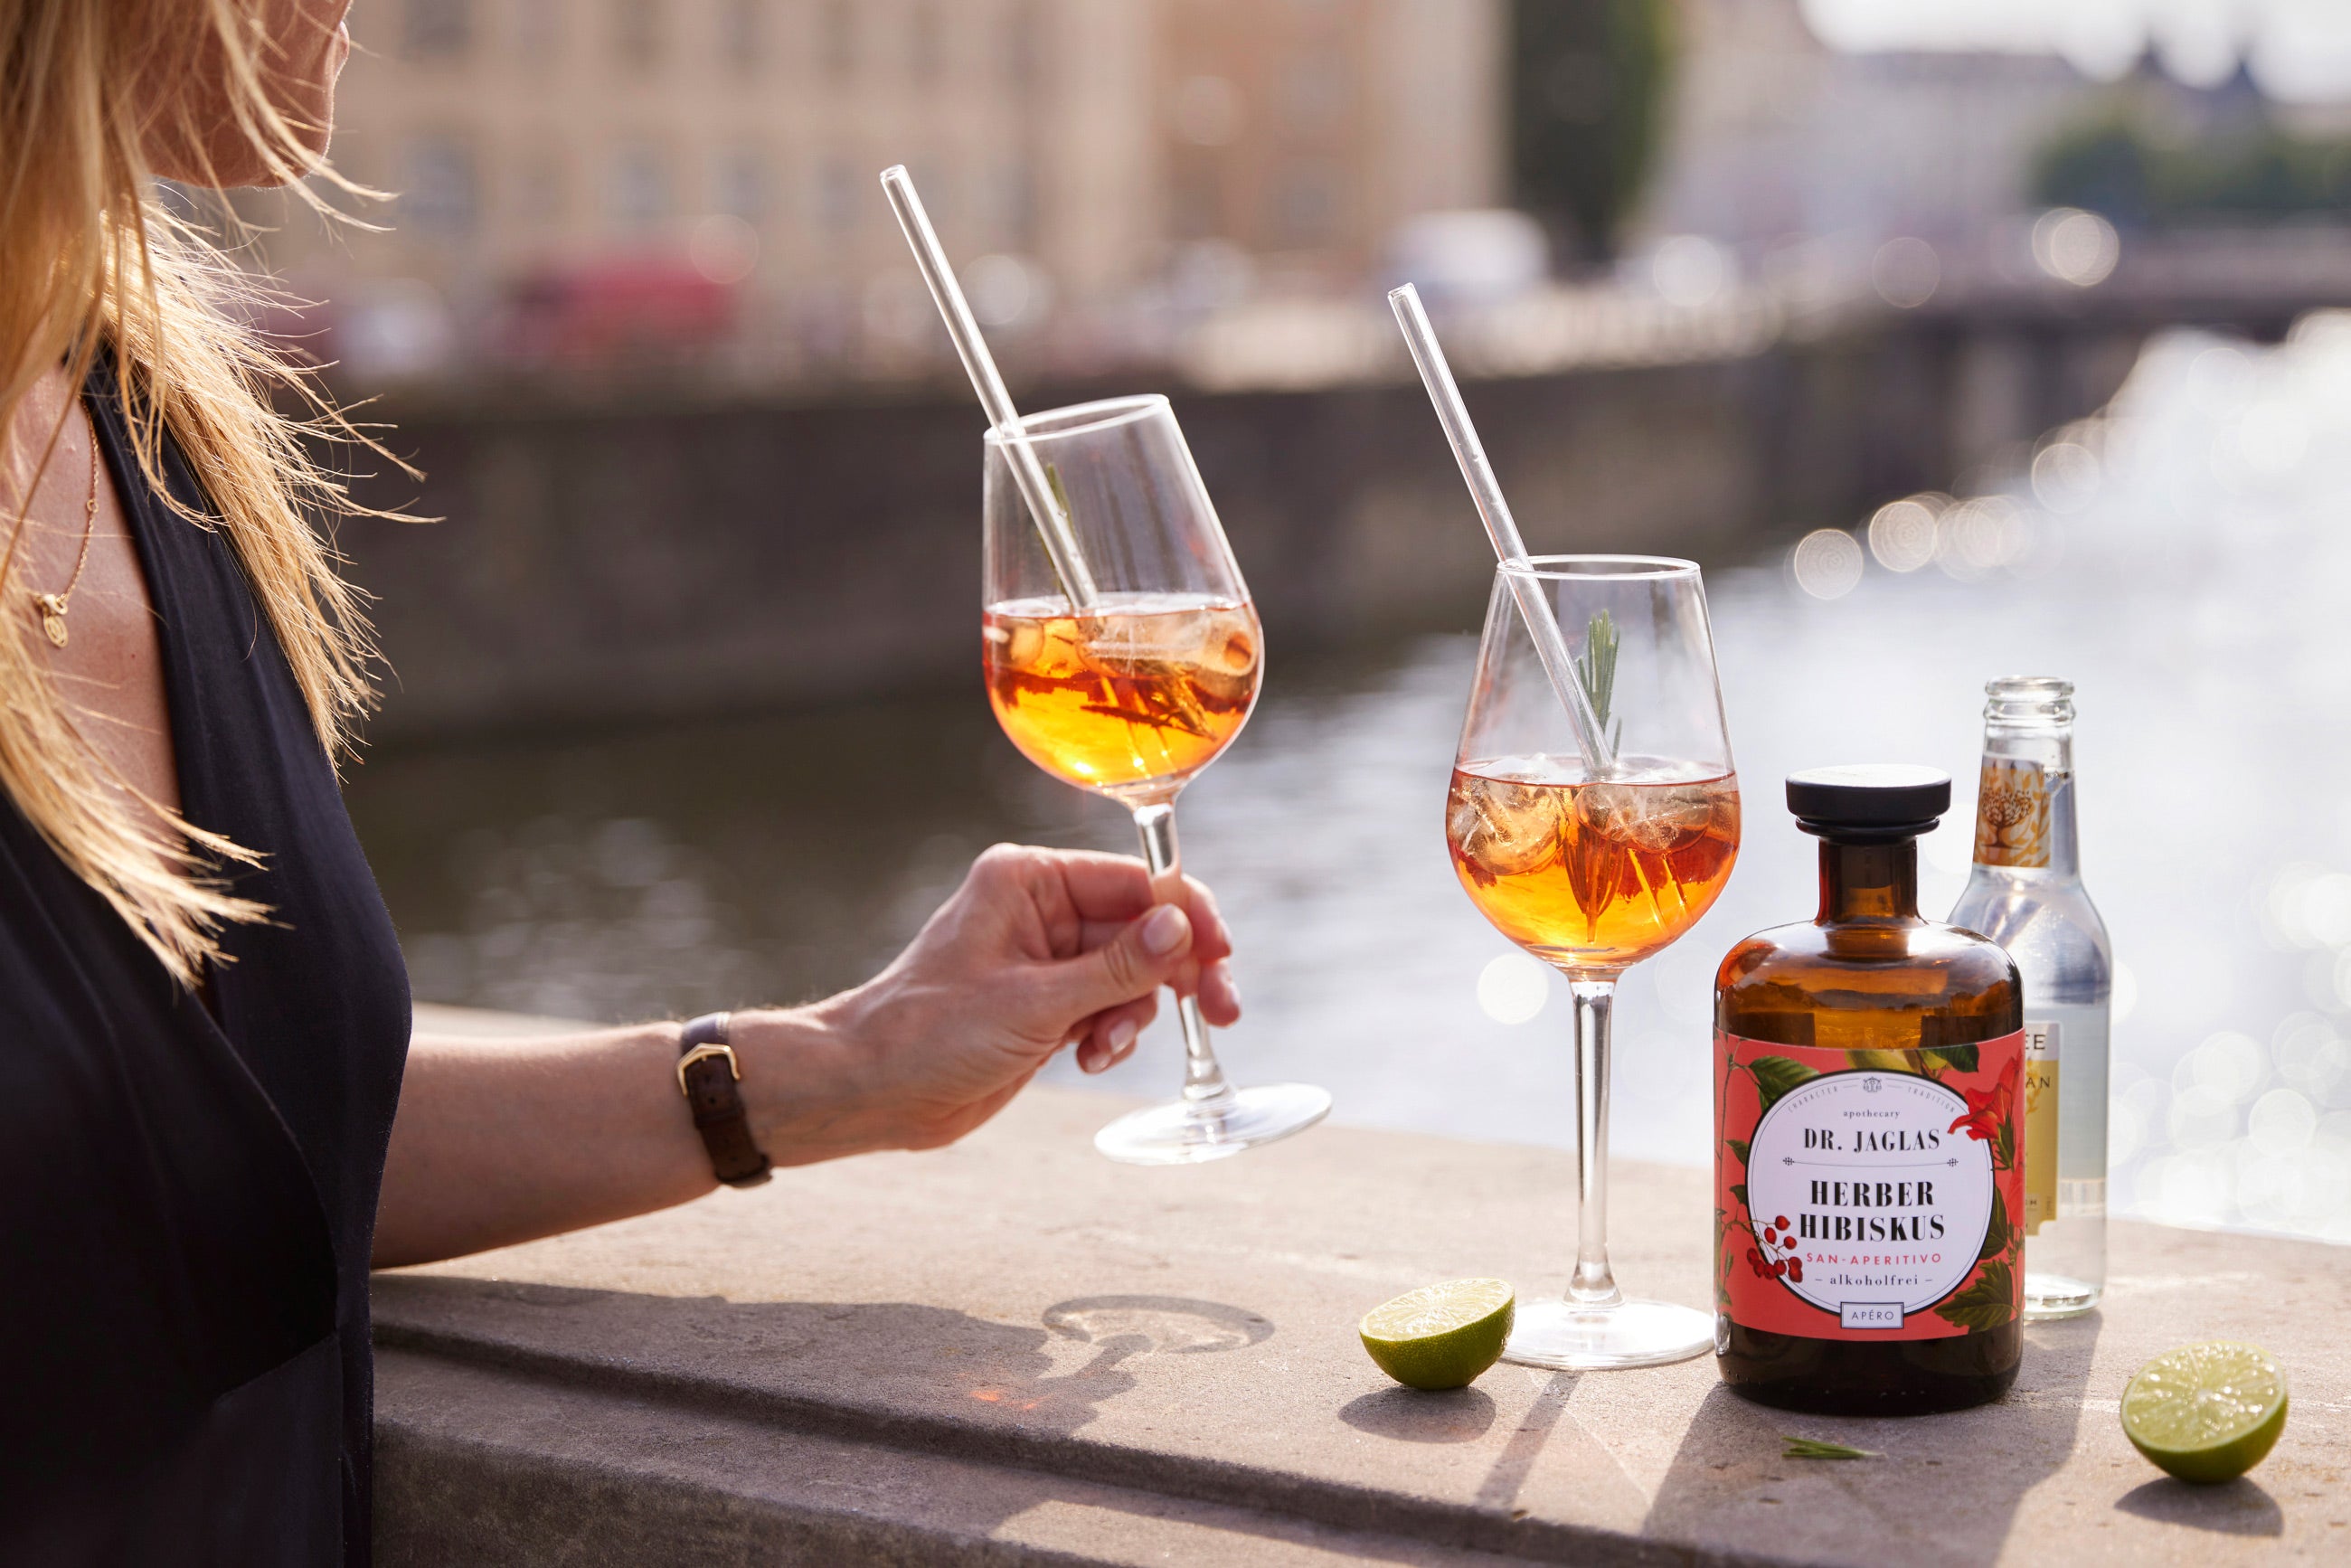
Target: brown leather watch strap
x=709 y=1076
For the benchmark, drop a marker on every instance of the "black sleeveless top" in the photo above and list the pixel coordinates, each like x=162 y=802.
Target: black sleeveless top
x=187 y=1203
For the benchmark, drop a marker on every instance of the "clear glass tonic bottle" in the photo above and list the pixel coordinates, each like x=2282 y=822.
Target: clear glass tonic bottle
x=2025 y=893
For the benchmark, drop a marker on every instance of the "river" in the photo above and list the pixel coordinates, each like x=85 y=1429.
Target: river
x=2183 y=558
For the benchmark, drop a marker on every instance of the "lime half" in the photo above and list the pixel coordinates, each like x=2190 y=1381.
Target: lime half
x=1441 y=1336
x=2206 y=1412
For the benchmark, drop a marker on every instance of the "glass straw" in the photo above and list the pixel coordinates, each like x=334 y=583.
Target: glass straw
x=1534 y=606
x=1053 y=524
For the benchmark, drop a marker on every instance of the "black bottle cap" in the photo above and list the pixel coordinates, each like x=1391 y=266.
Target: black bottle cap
x=1869 y=802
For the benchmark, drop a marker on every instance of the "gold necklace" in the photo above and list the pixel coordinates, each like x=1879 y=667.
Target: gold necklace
x=52 y=606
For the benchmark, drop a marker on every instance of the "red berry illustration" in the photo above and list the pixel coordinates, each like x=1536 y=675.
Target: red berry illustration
x=1781 y=1223
x=1779 y=1269
x=1796 y=1269
x=1769 y=1239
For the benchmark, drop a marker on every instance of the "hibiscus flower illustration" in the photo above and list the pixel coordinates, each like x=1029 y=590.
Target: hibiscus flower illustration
x=1987 y=1113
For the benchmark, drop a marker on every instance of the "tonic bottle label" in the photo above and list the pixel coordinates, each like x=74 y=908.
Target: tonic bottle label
x=1869 y=1193
x=2013 y=814
x=2041 y=1042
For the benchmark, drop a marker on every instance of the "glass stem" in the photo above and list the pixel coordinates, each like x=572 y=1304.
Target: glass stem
x=1204 y=1088
x=1593 y=1285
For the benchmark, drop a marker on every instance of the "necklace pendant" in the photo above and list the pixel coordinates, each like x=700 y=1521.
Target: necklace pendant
x=53 y=617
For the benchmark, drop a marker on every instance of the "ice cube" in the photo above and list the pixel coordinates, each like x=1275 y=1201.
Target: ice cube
x=1154 y=644
x=1654 y=818
x=1227 y=672
x=1230 y=647
x=1503 y=829
x=1607 y=809
x=1673 y=818
x=1022 y=648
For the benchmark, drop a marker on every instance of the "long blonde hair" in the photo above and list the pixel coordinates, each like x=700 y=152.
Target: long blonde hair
x=92 y=261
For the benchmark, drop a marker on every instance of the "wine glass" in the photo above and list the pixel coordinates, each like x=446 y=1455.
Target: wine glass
x=1131 y=695
x=1591 y=865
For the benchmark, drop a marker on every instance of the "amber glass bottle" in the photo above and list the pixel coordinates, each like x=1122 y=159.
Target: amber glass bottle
x=1868 y=1158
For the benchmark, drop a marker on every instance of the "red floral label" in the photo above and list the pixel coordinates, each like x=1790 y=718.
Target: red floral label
x=1868 y=1193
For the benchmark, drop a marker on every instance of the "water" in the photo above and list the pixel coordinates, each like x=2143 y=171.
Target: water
x=2181 y=560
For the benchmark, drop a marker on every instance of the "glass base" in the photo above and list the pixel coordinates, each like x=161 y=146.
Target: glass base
x=2048 y=1296
x=1183 y=1133
x=1573 y=1337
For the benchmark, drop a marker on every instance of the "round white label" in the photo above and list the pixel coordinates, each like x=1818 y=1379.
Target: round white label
x=1859 y=1175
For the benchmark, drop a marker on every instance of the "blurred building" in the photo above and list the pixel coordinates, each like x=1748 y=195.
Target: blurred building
x=1303 y=131
x=1777 y=136
x=579 y=178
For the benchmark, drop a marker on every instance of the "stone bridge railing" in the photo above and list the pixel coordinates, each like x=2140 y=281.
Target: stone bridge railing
x=1013 y=1352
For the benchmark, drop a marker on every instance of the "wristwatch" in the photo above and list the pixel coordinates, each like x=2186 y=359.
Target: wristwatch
x=709 y=1076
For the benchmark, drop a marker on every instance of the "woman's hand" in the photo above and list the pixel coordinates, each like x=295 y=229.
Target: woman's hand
x=1036 y=949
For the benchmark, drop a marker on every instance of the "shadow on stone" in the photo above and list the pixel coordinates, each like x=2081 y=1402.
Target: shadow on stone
x=847 y=1367
x=1500 y=1488
x=2239 y=1507
x=854 y=1369
x=539 y=1424
x=1412 y=1416
x=1942 y=1487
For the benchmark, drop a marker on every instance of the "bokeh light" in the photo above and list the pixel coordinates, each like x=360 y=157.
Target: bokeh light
x=2220 y=380
x=2066 y=475
x=2074 y=247
x=1978 y=536
x=1690 y=270
x=1512 y=989
x=1902 y=533
x=722 y=249
x=1905 y=272
x=1827 y=563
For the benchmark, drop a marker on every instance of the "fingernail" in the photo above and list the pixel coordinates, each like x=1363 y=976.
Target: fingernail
x=1232 y=987
x=1122 y=1034
x=1166 y=930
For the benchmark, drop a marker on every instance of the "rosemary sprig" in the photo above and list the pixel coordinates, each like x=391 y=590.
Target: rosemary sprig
x=1813 y=1448
x=1595 y=672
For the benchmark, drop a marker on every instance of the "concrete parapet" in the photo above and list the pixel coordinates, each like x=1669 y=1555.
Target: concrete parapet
x=1014 y=1351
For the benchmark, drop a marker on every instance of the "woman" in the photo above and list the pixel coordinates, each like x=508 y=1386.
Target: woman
x=212 y=1117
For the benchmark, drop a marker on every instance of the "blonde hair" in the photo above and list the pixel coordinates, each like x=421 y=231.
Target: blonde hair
x=91 y=262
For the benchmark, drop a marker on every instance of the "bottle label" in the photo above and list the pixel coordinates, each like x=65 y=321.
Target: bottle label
x=1868 y=1193
x=2013 y=814
x=2041 y=1040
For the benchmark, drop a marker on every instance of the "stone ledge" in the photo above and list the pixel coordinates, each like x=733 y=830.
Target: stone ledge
x=1029 y=1354
x=496 y=1469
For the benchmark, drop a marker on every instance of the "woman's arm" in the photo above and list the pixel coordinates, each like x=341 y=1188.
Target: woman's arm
x=498 y=1142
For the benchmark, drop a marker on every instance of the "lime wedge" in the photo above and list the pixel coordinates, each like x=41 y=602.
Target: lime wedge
x=2206 y=1412
x=1441 y=1336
